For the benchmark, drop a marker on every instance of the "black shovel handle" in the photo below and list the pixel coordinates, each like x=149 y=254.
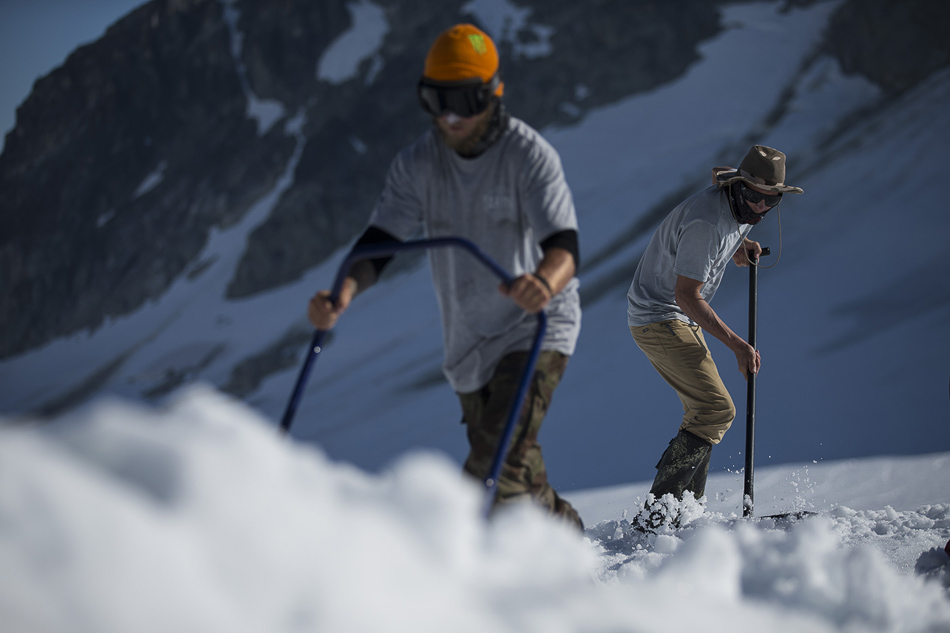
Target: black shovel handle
x=748 y=495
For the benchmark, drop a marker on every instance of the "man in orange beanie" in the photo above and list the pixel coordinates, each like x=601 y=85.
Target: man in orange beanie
x=486 y=176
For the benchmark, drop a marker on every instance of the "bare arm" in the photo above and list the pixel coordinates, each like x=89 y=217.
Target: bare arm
x=688 y=298
x=557 y=268
x=323 y=313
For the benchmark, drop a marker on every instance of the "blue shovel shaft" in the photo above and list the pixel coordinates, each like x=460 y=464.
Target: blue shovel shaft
x=371 y=251
x=316 y=346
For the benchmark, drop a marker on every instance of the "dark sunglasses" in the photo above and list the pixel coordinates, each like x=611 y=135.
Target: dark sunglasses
x=464 y=98
x=755 y=197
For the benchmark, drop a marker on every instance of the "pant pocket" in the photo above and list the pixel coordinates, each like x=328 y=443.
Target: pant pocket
x=649 y=340
x=694 y=329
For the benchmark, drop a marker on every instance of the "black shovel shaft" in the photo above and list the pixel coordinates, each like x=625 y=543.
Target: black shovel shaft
x=748 y=495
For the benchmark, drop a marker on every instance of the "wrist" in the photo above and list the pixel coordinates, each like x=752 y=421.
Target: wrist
x=544 y=282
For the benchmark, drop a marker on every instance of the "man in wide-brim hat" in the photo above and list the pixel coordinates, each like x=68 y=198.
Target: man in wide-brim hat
x=668 y=310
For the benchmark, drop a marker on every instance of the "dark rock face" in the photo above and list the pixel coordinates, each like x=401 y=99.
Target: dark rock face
x=158 y=94
x=124 y=159
x=894 y=44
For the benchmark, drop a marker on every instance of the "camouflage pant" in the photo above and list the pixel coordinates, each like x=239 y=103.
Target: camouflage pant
x=485 y=413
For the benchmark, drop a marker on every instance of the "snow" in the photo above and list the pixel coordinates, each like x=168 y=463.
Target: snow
x=151 y=181
x=340 y=62
x=199 y=516
x=507 y=22
x=266 y=112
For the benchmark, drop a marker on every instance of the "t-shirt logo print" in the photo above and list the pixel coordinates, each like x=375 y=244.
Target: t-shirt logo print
x=496 y=202
x=478 y=43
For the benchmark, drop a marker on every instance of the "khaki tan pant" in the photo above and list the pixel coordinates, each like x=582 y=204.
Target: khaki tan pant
x=678 y=352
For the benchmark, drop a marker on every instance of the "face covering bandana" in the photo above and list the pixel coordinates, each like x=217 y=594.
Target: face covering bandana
x=743 y=212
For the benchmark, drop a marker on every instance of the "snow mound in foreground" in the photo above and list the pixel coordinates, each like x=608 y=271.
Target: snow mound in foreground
x=201 y=517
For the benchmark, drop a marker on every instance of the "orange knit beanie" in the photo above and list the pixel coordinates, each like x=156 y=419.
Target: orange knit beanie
x=462 y=52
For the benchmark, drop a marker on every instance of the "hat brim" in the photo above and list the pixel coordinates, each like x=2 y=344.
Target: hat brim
x=728 y=177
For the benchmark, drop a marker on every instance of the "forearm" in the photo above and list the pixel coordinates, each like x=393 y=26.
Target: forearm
x=557 y=268
x=533 y=291
x=690 y=299
x=362 y=275
x=366 y=272
x=697 y=309
x=323 y=311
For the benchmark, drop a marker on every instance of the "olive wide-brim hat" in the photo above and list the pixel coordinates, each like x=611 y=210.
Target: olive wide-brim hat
x=763 y=167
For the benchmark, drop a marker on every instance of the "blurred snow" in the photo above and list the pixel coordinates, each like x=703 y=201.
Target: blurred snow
x=198 y=516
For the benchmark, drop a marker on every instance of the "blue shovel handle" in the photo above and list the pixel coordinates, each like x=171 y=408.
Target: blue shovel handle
x=372 y=251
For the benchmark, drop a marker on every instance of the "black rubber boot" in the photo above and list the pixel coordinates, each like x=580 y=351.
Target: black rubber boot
x=698 y=483
x=683 y=467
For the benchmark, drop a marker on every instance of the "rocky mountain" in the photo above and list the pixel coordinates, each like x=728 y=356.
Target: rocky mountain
x=126 y=159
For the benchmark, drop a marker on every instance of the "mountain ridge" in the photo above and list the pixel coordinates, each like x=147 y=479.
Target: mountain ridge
x=124 y=159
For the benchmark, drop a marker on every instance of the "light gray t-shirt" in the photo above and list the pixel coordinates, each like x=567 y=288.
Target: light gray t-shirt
x=697 y=239
x=506 y=201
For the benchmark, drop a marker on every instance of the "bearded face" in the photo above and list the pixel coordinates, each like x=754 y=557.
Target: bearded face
x=463 y=134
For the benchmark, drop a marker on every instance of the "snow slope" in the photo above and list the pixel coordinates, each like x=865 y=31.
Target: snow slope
x=851 y=317
x=199 y=517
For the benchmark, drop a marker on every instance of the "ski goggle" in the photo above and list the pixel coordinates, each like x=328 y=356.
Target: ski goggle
x=464 y=98
x=755 y=197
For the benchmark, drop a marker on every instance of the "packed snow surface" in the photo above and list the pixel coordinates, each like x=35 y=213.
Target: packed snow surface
x=201 y=517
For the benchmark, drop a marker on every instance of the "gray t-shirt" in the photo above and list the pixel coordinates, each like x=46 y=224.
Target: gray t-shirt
x=696 y=240
x=506 y=201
